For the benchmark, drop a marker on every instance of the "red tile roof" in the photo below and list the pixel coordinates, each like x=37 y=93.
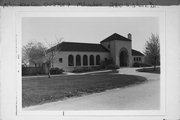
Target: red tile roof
x=136 y=53
x=83 y=47
x=115 y=36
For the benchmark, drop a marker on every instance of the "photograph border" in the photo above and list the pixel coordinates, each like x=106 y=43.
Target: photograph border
x=91 y=12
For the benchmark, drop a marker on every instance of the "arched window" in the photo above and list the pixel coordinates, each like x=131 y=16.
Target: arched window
x=78 y=60
x=97 y=59
x=70 y=60
x=85 y=60
x=91 y=60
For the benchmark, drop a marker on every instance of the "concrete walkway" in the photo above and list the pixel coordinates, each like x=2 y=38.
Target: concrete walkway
x=137 y=97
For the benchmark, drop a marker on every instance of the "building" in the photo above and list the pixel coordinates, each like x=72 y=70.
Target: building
x=71 y=55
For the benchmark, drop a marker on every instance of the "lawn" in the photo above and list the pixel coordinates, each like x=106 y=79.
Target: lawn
x=150 y=70
x=43 y=89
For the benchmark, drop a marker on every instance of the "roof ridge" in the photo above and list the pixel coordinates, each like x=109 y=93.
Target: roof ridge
x=81 y=43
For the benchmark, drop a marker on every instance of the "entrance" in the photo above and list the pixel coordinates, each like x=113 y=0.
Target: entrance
x=123 y=58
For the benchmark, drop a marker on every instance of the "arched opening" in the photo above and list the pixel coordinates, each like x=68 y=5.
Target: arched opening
x=85 y=60
x=98 y=60
x=123 y=58
x=78 y=60
x=70 y=60
x=91 y=60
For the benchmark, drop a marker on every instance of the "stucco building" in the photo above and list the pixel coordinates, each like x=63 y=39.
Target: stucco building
x=71 y=55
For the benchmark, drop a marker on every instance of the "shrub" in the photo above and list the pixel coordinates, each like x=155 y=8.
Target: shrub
x=136 y=65
x=113 y=67
x=141 y=65
x=79 y=70
x=56 y=70
x=32 y=71
x=104 y=64
x=86 y=69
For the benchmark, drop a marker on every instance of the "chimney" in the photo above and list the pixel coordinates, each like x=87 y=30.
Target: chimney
x=129 y=36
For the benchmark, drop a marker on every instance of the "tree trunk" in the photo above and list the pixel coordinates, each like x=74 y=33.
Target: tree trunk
x=49 y=74
x=155 y=64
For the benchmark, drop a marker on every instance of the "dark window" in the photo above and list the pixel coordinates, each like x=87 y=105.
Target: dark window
x=98 y=60
x=60 y=60
x=85 y=60
x=134 y=59
x=139 y=58
x=78 y=60
x=70 y=60
x=91 y=60
x=109 y=46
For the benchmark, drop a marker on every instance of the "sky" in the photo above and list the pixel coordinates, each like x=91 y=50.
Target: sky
x=88 y=29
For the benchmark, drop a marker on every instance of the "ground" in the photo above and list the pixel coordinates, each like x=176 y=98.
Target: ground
x=137 y=97
x=41 y=90
x=150 y=70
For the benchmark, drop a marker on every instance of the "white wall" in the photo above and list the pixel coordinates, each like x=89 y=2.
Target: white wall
x=142 y=59
x=64 y=55
x=118 y=46
x=115 y=47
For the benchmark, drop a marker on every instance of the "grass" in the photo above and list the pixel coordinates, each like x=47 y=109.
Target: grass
x=150 y=70
x=42 y=89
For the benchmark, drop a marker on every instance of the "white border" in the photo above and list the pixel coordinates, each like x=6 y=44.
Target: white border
x=91 y=12
x=9 y=66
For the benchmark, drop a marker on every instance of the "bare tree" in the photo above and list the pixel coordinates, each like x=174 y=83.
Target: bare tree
x=152 y=50
x=50 y=54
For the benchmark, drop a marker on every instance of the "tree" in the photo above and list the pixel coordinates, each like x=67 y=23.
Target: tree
x=152 y=50
x=33 y=53
x=50 y=54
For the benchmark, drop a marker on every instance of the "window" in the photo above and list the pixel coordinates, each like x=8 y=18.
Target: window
x=109 y=46
x=78 y=60
x=98 y=60
x=139 y=58
x=91 y=60
x=70 y=60
x=60 y=60
x=85 y=60
x=134 y=59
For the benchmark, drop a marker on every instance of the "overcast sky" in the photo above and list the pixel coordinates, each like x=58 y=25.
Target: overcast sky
x=88 y=30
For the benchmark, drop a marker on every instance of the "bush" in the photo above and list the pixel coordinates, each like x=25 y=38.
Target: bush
x=56 y=70
x=86 y=69
x=33 y=71
x=136 y=65
x=108 y=62
x=79 y=70
x=141 y=65
x=113 y=67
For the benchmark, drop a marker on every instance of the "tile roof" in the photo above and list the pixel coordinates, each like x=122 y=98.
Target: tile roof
x=83 y=47
x=136 y=53
x=115 y=36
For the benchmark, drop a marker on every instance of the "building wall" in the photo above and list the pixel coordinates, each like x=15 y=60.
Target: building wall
x=135 y=59
x=64 y=55
x=115 y=47
x=120 y=45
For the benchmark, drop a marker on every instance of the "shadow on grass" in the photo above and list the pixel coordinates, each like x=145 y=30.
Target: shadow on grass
x=42 y=90
x=149 y=70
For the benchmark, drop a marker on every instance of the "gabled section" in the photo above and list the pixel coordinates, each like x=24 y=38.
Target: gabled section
x=115 y=36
